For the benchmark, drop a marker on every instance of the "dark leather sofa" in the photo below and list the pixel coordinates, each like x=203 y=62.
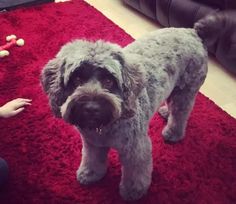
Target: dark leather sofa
x=6 y=5
x=184 y=13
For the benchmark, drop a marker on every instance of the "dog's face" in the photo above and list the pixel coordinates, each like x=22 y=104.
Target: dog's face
x=90 y=84
x=96 y=98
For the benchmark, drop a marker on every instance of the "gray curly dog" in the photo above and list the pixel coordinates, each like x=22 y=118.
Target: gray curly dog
x=110 y=93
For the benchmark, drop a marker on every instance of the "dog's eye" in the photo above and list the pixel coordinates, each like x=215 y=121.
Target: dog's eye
x=78 y=80
x=107 y=83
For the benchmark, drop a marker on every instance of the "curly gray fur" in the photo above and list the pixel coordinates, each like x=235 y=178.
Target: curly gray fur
x=166 y=65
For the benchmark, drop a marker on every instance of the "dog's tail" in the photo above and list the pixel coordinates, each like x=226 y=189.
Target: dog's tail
x=213 y=27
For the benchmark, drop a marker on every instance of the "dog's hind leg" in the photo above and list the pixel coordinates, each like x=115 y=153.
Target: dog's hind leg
x=181 y=100
x=93 y=166
x=178 y=109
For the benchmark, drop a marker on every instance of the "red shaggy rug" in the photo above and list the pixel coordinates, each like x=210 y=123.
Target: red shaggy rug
x=43 y=152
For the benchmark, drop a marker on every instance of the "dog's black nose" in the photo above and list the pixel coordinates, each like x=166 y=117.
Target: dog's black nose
x=92 y=108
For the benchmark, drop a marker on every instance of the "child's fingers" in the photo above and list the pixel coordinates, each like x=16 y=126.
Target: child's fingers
x=24 y=99
x=27 y=103
x=18 y=110
x=21 y=104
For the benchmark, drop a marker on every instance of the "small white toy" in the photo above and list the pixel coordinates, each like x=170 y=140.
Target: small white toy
x=11 y=41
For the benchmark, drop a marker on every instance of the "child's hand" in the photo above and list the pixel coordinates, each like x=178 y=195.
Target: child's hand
x=14 y=107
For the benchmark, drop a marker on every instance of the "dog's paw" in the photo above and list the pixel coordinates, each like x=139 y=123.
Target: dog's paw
x=132 y=191
x=87 y=176
x=172 y=135
x=164 y=112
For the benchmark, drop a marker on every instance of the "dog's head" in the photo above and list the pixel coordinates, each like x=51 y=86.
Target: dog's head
x=91 y=84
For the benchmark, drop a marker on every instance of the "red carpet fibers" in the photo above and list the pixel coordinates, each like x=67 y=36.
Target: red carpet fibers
x=43 y=153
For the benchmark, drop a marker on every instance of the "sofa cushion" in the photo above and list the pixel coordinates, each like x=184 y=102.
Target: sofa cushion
x=148 y=7
x=10 y=4
x=180 y=13
x=222 y=4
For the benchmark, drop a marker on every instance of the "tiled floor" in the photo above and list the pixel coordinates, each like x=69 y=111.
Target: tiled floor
x=219 y=86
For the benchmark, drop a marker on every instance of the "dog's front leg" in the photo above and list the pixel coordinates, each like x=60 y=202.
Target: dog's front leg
x=137 y=167
x=93 y=165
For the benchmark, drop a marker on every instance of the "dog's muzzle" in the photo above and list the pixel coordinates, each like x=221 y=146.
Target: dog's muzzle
x=89 y=113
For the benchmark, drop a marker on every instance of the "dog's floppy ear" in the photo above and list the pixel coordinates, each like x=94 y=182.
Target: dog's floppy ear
x=134 y=81
x=52 y=83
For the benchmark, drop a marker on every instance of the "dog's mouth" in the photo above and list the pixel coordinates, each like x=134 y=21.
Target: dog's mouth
x=95 y=125
x=89 y=115
x=98 y=129
x=92 y=125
